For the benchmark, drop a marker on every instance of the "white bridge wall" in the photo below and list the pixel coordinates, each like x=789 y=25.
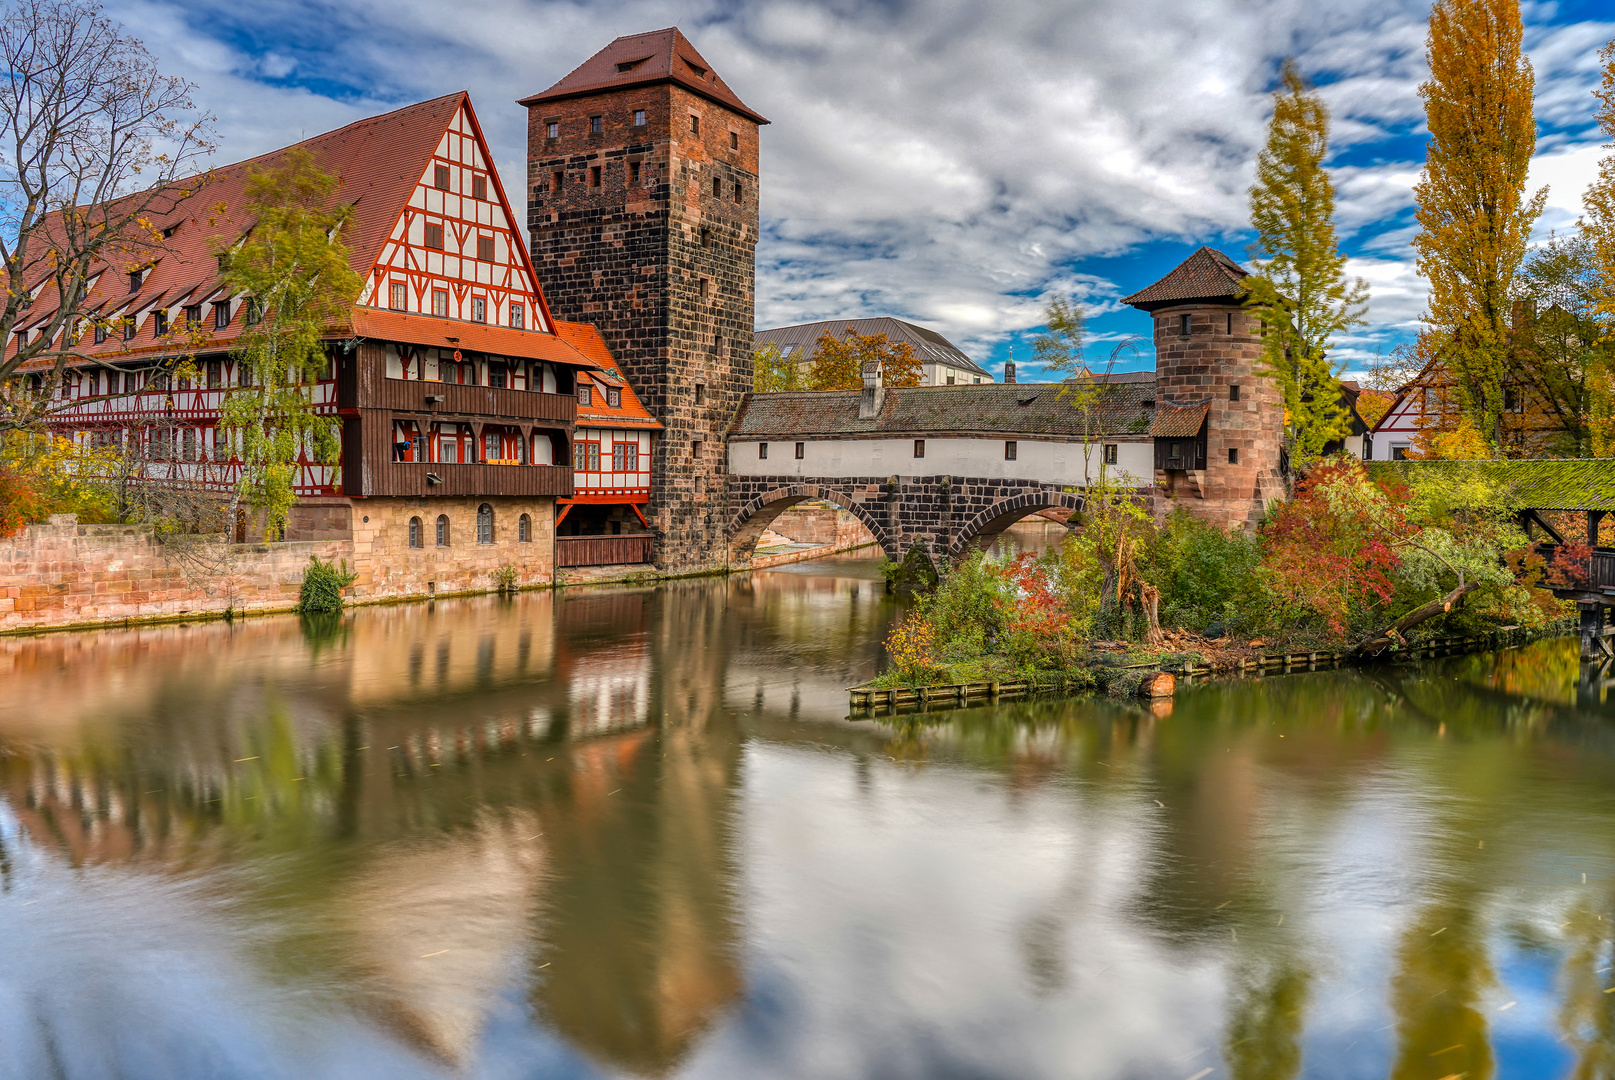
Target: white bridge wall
x=1049 y=461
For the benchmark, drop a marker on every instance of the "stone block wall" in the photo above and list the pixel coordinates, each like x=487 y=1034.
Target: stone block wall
x=66 y=574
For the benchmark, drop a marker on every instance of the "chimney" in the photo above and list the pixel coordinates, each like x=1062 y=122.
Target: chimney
x=874 y=391
x=1009 y=371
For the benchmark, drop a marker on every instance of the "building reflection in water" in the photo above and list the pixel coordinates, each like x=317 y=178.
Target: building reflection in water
x=632 y=827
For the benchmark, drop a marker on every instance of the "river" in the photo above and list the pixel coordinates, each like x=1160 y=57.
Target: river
x=631 y=833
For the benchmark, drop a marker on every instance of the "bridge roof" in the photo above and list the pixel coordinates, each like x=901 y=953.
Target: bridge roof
x=1559 y=484
x=1124 y=408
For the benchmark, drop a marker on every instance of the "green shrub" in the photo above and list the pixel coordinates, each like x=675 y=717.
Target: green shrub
x=1207 y=575
x=322 y=587
x=504 y=578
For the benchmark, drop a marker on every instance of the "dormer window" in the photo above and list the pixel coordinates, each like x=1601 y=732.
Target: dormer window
x=193 y=315
x=614 y=398
x=629 y=65
x=585 y=394
x=135 y=277
x=221 y=314
x=161 y=318
x=700 y=72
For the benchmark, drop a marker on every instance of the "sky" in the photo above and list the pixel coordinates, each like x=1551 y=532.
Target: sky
x=955 y=163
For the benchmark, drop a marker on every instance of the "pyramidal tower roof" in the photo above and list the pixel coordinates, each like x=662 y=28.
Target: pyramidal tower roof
x=1208 y=274
x=659 y=56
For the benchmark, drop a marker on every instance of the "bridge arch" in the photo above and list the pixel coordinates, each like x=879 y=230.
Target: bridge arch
x=753 y=519
x=986 y=526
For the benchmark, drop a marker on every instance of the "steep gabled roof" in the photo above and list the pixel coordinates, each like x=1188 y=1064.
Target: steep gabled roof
x=659 y=56
x=800 y=343
x=587 y=340
x=1208 y=274
x=1176 y=421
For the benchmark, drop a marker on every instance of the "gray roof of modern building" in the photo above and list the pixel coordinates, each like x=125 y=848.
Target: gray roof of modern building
x=801 y=343
x=1031 y=409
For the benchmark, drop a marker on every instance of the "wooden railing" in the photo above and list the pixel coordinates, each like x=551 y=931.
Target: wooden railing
x=1598 y=576
x=417 y=478
x=603 y=550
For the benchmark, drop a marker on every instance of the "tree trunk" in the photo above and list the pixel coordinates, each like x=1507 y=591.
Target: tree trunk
x=1150 y=599
x=1379 y=642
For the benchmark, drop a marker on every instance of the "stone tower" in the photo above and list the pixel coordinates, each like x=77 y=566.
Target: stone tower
x=1218 y=425
x=642 y=213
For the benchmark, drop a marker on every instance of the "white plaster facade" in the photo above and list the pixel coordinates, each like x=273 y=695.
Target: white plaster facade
x=1054 y=461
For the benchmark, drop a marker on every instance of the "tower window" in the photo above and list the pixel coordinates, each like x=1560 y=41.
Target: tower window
x=734 y=141
x=1011 y=449
x=1230 y=324
x=695 y=447
x=440 y=303
x=434 y=237
x=801 y=451
x=1183 y=325
x=552 y=129
x=479 y=187
x=485 y=248
x=440 y=177
x=717 y=188
x=633 y=173
x=704 y=286
x=706 y=238
x=557 y=178
x=639 y=117
x=1233 y=455
x=695 y=124
x=594 y=176
x=1233 y=392
x=700 y=393
x=595 y=125
x=398 y=297
x=740 y=192
x=919 y=448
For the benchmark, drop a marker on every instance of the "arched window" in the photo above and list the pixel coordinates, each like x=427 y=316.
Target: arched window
x=484 y=524
x=414 y=532
x=524 y=529
x=442 y=530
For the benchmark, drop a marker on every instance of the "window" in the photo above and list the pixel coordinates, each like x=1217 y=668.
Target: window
x=479 y=309
x=243 y=374
x=1011 y=448
x=1111 y=450
x=160 y=323
x=1233 y=455
x=625 y=457
x=703 y=286
x=92 y=384
x=415 y=538
x=479 y=187
x=801 y=451
x=734 y=141
x=717 y=188
x=762 y=451
x=442 y=530
x=193 y=314
x=586 y=456
x=1183 y=325
x=1399 y=453
x=740 y=192
x=1233 y=392
x=594 y=176
x=440 y=303
x=134 y=280
x=498 y=376
x=434 y=236
x=398 y=298
x=1230 y=323
x=255 y=311
x=552 y=129
x=485 y=248
x=518 y=315
x=700 y=393
x=706 y=238
x=100 y=333
x=950 y=380
x=639 y=117
x=215 y=374
x=490 y=446
x=1513 y=400
x=130 y=328
x=585 y=395
x=695 y=124
x=596 y=125
x=221 y=314
x=440 y=177
x=695 y=447
x=633 y=174
x=557 y=178
x=613 y=397
x=919 y=448
x=524 y=529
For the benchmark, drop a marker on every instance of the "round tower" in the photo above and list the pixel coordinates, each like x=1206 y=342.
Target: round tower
x=1218 y=425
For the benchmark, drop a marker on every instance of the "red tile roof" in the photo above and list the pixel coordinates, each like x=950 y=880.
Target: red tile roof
x=1177 y=421
x=416 y=329
x=1206 y=275
x=587 y=340
x=659 y=56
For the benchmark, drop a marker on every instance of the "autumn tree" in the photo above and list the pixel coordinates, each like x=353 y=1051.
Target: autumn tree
x=293 y=269
x=1473 y=214
x=1299 y=288
x=96 y=143
x=1598 y=229
x=839 y=362
x=772 y=372
x=1561 y=347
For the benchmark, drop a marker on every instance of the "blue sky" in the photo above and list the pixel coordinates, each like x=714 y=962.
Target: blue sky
x=955 y=163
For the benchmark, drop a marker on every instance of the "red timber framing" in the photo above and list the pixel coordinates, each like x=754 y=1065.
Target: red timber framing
x=513 y=384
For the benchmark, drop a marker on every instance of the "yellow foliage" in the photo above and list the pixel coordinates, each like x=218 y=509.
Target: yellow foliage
x=68 y=477
x=839 y=362
x=1462 y=444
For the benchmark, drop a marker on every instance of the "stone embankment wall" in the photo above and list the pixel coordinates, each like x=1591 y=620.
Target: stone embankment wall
x=63 y=574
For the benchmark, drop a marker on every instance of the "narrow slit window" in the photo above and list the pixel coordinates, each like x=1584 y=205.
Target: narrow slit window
x=1230 y=324
x=633 y=174
x=594 y=176
x=1233 y=455
x=557 y=179
x=801 y=451
x=700 y=393
x=1233 y=392
x=740 y=192
x=717 y=188
x=762 y=451
x=695 y=124
x=1183 y=325
x=734 y=141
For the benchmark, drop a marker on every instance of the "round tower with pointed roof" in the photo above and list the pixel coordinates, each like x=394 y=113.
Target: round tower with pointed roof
x=642 y=170
x=1218 y=425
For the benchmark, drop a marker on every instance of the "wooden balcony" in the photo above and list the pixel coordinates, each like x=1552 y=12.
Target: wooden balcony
x=603 y=550
x=362 y=384
x=415 y=478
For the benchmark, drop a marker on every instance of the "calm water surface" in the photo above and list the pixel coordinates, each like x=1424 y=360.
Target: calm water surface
x=630 y=833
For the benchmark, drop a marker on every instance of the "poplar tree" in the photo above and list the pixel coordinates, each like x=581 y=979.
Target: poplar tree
x=1474 y=217
x=293 y=269
x=1299 y=289
x=1598 y=229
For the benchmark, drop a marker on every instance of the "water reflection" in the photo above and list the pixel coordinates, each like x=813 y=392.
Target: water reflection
x=629 y=832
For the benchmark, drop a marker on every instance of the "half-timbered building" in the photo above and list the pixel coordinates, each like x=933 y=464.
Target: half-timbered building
x=457 y=396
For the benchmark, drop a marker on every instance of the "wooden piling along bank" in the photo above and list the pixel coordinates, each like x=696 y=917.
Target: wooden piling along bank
x=868 y=700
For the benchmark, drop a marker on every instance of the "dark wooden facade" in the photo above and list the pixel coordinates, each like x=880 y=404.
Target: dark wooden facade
x=603 y=550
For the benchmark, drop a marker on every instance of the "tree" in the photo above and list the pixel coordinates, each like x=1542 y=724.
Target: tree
x=1598 y=229
x=1474 y=217
x=840 y=361
x=1561 y=347
x=1299 y=289
x=773 y=373
x=87 y=118
x=293 y=267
